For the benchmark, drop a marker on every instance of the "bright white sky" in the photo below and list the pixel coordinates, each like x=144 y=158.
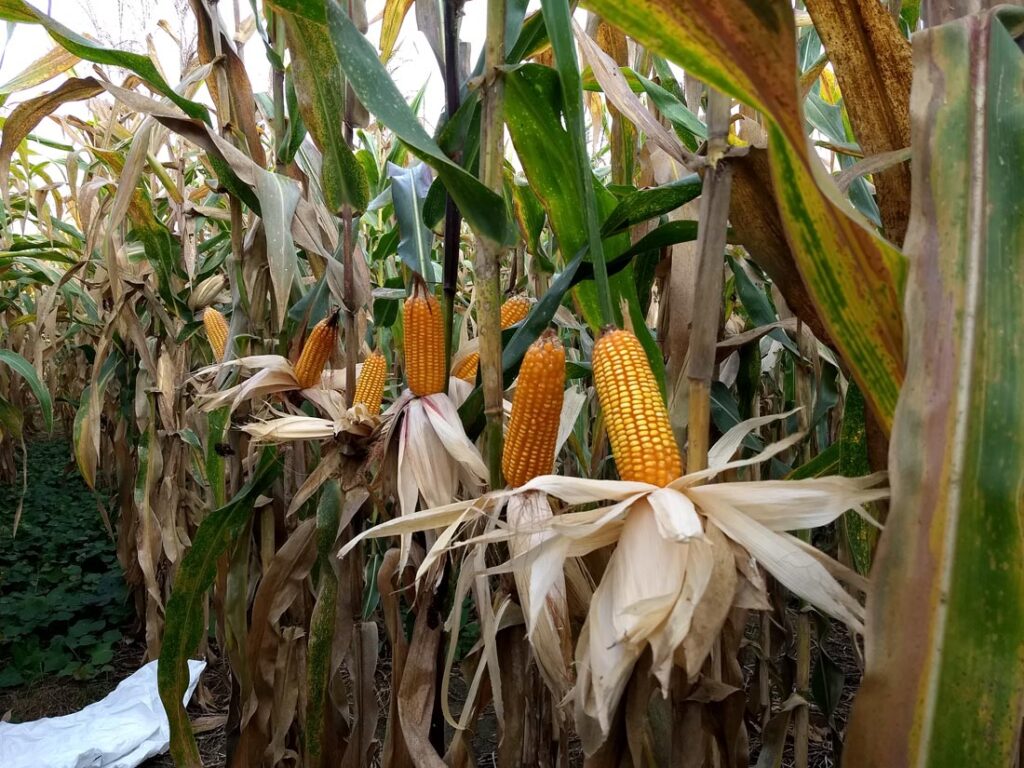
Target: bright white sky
x=412 y=64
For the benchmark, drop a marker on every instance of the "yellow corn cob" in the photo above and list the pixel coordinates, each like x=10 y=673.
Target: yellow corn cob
x=466 y=369
x=370 y=387
x=514 y=310
x=216 y=331
x=424 y=342
x=533 y=428
x=317 y=351
x=637 y=421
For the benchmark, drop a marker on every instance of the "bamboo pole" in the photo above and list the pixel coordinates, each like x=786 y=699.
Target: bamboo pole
x=487 y=265
x=452 y=217
x=714 y=216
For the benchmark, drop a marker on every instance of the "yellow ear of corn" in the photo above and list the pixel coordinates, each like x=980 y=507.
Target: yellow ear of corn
x=466 y=369
x=637 y=421
x=216 y=331
x=513 y=311
x=424 y=342
x=317 y=351
x=533 y=428
x=370 y=387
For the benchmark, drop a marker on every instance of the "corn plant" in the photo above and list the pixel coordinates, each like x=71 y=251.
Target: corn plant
x=609 y=426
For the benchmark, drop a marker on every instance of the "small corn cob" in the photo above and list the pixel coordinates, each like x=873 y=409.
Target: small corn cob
x=533 y=428
x=370 y=387
x=317 y=351
x=467 y=367
x=637 y=421
x=424 y=342
x=513 y=311
x=216 y=331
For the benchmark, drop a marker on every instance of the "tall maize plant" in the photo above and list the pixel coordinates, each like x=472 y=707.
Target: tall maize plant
x=571 y=451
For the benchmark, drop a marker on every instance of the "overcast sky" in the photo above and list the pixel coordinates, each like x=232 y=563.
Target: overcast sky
x=126 y=23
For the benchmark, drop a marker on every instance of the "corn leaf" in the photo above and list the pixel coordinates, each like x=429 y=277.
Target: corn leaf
x=184 y=620
x=408 y=192
x=558 y=21
x=861 y=537
x=46 y=67
x=24 y=369
x=18 y=10
x=484 y=210
x=320 y=87
x=748 y=50
x=944 y=682
x=874 y=71
x=29 y=114
x=534 y=118
x=391 y=24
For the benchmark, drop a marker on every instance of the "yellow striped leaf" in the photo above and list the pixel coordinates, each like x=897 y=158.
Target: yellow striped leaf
x=747 y=49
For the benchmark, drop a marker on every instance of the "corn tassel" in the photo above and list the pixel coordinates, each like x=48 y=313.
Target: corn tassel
x=216 y=331
x=370 y=387
x=317 y=351
x=637 y=421
x=424 y=342
x=513 y=311
x=533 y=428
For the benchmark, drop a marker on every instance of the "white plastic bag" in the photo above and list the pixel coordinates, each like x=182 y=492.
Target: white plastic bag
x=119 y=731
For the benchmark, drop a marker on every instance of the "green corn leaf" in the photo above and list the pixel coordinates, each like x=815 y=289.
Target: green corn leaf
x=644 y=204
x=184 y=626
x=545 y=148
x=24 y=369
x=944 y=680
x=484 y=210
x=748 y=51
x=320 y=89
x=408 y=193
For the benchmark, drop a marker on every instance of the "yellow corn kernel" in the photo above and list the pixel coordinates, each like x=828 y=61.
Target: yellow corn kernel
x=370 y=386
x=513 y=311
x=637 y=421
x=317 y=351
x=424 y=342
x=533 y=428
x=216 y=331
x=466 y=369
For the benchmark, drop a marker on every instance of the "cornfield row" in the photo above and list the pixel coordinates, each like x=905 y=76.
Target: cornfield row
x=605 y=428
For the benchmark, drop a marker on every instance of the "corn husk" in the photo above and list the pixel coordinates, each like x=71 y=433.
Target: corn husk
x=270 y=374
x=660 y=588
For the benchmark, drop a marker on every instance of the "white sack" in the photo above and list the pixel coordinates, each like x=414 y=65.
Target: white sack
x=119 y=731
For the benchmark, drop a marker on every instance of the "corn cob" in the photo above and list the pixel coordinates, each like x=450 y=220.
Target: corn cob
x=317 y=351
x=637 y=421
x=533 y=428
x=216 y=331
x=467 y=367
x=424 y=342
x=514 y=310
x=370 y=387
